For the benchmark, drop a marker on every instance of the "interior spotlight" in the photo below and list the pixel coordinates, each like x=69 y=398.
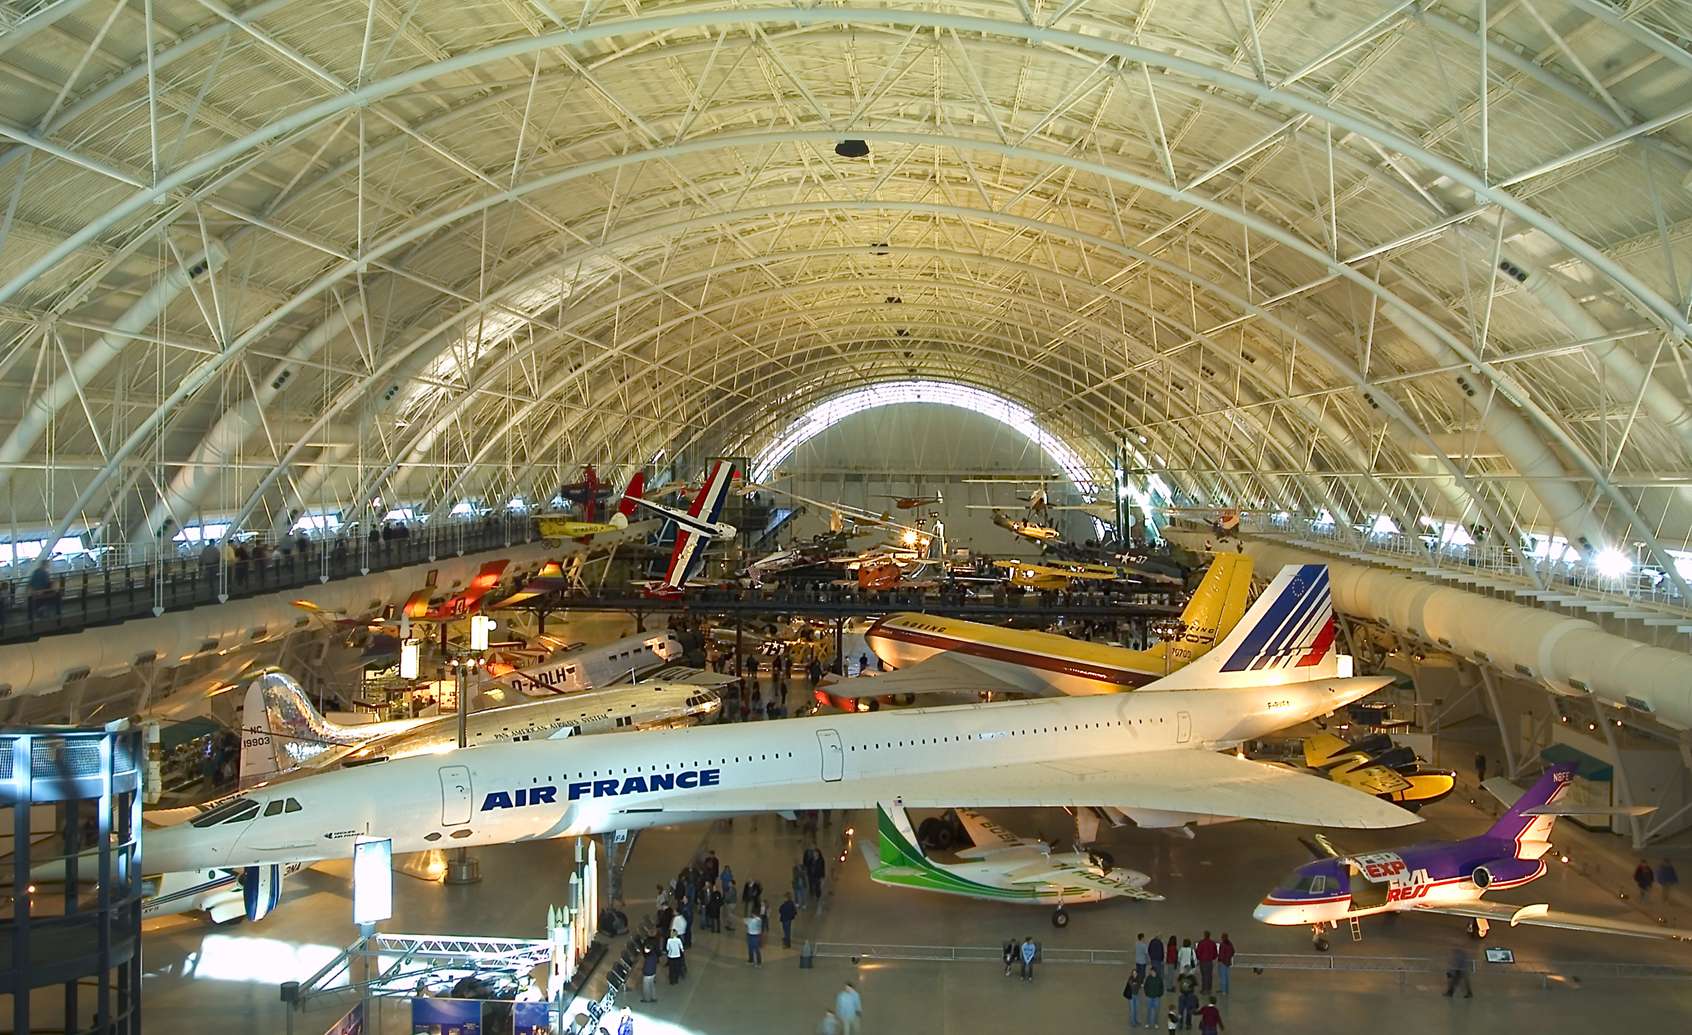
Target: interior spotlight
x=1612 y=564
x=851 y=149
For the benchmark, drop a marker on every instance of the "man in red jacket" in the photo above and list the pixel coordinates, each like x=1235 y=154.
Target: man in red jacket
x=1206 y=961
x=1210 y=1019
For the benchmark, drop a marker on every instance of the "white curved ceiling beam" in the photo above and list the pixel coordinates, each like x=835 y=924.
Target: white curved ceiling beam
x=315 y=114
x=1316 y=317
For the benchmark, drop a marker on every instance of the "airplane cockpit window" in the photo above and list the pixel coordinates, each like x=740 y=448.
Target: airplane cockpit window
x=274 y=808
x=1308 y=885
x=293 y=806
x=238 y=811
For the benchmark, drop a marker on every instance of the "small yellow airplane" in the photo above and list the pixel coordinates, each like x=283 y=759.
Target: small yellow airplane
x=1057 y=575
x=567 y=528
x=1025 y=529
x=1375 y=765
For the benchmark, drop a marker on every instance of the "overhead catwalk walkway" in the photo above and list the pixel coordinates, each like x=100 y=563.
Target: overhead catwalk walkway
x=202 y=625
x=1572 y=656
x=94 y=595
x=847 y=603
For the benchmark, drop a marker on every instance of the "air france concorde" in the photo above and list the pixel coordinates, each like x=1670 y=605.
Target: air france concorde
x=1155 y=749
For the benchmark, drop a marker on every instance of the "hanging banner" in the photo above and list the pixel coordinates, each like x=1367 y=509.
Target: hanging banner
x=530 y=1019
x=431 y=1016
x=351 y=1024
x=446 y=1016
x=373 y=881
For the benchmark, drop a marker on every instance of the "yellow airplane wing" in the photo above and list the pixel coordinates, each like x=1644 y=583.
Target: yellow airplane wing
x=1321 y=748
x=562 y=528
x=1374 y=779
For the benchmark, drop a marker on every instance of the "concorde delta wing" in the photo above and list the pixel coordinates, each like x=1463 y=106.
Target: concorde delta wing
x=1199 y=782
x=944 y=673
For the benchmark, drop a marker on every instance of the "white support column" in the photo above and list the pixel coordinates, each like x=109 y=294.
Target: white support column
x=1507 y=735
x=1608 y=724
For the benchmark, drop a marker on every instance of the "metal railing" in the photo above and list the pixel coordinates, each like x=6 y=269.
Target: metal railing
x=1643 y=582
x=1548 y=971
x=847 y=602
x=394 y=962
x=86 y=596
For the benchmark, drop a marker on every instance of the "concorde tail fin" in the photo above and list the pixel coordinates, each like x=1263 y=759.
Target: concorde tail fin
x=1286 y=637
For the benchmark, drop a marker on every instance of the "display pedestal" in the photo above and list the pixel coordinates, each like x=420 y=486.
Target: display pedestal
x=463 y=869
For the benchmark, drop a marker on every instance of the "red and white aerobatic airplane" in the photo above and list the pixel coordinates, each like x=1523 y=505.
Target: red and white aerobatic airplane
x=695 y=528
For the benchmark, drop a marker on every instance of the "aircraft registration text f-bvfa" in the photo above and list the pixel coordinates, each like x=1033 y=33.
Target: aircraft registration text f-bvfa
x=1153 y=750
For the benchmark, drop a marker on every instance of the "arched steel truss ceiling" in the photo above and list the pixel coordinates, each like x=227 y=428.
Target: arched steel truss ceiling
x=1211 y=289
x=350 y=98
x=1277 y=107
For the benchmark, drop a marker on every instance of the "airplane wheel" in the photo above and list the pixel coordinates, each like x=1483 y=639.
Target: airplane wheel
x=929 y=832
x=1475 y=931
x=1060 y=918
x=1320 y=945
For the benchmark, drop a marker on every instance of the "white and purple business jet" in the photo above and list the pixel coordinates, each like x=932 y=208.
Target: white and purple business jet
x=1446 y=877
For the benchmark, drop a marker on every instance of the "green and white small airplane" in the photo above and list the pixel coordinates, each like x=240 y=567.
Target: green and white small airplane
x=1000 y=867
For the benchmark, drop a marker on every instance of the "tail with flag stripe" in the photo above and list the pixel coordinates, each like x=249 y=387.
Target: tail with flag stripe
x=1286 y=637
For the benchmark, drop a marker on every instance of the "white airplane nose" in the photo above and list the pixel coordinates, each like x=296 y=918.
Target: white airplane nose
x=1264 y=912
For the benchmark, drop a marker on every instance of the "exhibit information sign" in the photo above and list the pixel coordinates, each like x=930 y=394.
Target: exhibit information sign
x=373 y=881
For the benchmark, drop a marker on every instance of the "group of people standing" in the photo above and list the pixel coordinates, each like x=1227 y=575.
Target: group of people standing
x=707 y=886
x=1186 y=970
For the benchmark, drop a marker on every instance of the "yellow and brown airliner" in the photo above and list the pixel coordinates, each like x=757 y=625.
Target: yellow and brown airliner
x=970 y=658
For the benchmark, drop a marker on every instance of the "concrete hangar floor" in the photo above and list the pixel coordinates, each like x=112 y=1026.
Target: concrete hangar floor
x=206 y=980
